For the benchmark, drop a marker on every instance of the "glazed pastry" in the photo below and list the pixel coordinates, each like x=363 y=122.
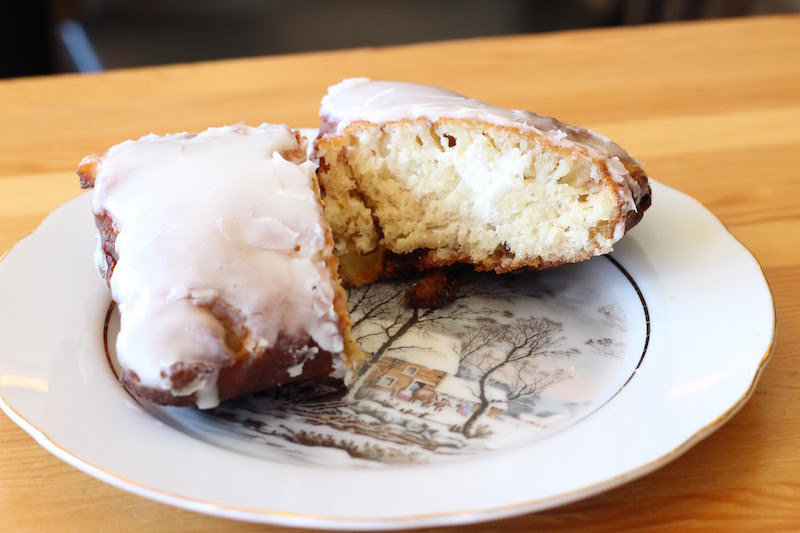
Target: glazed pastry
x=423 y=176
x=221 y=263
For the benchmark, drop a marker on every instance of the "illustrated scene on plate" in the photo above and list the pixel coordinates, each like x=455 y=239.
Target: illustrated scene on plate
x=506 y=362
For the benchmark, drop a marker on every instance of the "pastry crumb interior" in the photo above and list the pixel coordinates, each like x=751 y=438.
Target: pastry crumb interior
x=484 y=195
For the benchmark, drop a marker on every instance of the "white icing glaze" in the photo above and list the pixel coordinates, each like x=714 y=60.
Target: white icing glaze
x=361 y=99
x=387 y=101
x=218 y=215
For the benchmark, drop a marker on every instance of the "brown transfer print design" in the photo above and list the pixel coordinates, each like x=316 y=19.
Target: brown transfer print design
x=443 y=383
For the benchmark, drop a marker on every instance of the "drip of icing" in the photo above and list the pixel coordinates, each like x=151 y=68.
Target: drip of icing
x=214 y=216
x=361 y=99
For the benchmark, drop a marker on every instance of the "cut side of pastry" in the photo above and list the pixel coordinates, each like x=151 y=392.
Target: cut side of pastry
x=416 y=175
x=221 y=262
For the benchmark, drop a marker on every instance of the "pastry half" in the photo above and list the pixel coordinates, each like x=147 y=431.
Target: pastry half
x=421 y=176
x=221 y=262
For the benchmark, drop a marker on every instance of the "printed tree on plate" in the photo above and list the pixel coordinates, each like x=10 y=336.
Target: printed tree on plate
x=506 y=354
x=379 y=316
x=604 y=346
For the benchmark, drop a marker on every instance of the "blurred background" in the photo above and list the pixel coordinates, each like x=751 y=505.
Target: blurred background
x=42 y=37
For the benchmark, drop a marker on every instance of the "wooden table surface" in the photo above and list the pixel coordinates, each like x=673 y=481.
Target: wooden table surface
x=712 y=108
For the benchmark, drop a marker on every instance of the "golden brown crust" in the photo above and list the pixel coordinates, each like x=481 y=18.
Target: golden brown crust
x=297 y=156
x=108 y=239
x=248 y=374
x=87 y=171
x=340 y=306
x=645 y=199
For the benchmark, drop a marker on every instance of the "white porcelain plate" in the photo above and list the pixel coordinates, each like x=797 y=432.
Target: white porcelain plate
x=527 y=392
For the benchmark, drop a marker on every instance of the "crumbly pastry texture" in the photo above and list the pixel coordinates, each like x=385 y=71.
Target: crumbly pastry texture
x=220 y=260
x=421 y=173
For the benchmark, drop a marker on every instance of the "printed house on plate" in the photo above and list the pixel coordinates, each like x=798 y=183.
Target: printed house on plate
x=400 y=378
x=396 y=375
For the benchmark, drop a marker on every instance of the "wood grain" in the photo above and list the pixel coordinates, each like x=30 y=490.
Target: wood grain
x=712 y=108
